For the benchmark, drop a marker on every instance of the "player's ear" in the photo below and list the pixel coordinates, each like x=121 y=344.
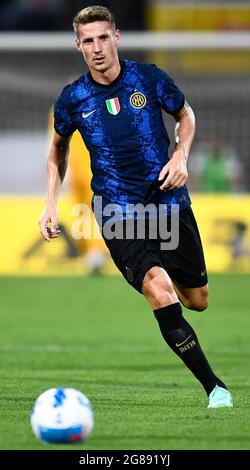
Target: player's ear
x=78 y=45
x=117 y=37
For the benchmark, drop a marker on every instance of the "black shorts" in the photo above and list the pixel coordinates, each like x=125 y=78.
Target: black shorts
x=185 y=264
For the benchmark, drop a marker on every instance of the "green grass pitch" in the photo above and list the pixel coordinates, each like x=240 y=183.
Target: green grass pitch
x=98 y=335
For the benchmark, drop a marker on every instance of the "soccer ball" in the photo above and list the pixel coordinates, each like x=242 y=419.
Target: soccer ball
x=62 y=415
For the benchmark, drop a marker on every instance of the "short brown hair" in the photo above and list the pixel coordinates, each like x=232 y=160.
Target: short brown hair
x=91 y=14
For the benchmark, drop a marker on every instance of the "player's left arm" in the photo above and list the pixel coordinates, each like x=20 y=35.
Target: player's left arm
x=174 y=174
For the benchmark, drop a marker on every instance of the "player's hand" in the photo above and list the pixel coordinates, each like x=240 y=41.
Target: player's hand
x=49 y=228
x=174 y=174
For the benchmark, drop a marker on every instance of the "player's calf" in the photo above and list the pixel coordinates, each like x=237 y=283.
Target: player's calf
x=198 y=305
x=181 y=338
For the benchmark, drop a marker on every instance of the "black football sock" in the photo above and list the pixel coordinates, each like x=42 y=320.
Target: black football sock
x=181 y=338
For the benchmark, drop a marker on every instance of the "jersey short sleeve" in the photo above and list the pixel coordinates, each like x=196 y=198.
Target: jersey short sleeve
x=169 y=95
x=62 y=121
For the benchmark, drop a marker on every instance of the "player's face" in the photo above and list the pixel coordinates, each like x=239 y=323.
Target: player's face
x=98 y=44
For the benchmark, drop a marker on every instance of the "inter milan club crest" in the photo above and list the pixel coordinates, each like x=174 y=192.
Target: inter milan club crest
x=113 y=106
x=138 y=100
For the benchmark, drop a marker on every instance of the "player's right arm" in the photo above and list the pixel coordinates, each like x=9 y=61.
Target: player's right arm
x=56 y=169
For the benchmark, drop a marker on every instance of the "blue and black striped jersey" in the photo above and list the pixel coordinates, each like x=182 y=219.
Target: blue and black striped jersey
x=122 y=127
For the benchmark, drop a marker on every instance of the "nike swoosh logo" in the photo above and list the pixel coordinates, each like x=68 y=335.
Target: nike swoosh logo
x=88 y=114
x=180 y=344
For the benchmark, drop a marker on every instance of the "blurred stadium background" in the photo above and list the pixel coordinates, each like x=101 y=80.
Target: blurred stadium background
x=205 y=47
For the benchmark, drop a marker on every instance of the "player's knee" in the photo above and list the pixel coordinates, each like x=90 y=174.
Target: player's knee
x=158 y=288
x=162 y=299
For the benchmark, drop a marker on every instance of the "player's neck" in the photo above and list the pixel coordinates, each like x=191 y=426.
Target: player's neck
x=107 y=77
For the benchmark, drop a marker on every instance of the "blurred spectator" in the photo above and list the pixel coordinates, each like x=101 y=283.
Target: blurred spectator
x=215 y=168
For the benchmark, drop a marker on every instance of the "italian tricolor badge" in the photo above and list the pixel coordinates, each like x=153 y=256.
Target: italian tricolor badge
x=113 y=106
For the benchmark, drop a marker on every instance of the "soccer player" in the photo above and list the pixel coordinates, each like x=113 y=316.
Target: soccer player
x=116 y=107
